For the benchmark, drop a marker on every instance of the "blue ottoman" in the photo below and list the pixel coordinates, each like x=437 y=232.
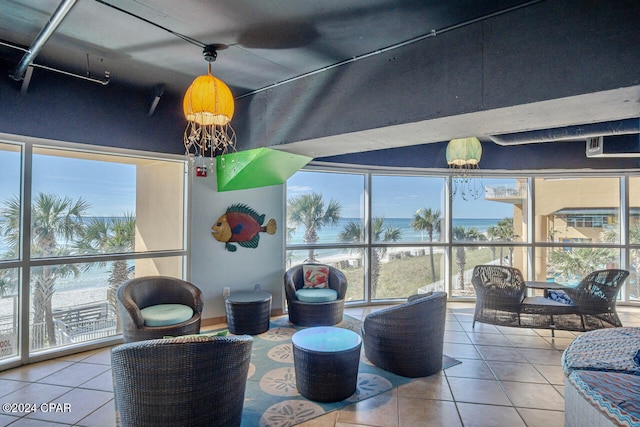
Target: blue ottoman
x=326 y=362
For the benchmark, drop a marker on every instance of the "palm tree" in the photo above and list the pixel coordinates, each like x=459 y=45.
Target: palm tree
x=579 y=262
x=309 y=210
x=503 y=231
x=110 y=235
x=353 y=232
x=460 y=234
x=428 y=220
x=55 y=221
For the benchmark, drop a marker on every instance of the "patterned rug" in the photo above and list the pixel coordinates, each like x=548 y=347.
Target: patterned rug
x=271 y=397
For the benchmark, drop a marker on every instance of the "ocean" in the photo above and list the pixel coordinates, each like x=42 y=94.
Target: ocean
x=330 y=234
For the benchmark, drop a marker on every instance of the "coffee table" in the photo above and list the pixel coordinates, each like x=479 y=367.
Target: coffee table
x=326 y=360
x=248 y=312
x=546 y=286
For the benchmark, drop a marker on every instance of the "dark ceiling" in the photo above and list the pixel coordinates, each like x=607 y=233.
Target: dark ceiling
x=144 y=43
x=147 y=44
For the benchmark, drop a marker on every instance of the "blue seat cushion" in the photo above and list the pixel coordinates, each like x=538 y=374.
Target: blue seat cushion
x=166 y=314
x=316 y=295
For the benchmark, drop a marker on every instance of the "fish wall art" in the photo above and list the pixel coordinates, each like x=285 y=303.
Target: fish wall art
x=243 y=225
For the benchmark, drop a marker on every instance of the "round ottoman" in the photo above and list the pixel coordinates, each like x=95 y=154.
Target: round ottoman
x=326 y=362
x=248 y=312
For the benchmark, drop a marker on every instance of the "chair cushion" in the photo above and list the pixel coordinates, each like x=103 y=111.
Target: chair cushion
x=560 y=296
x=316 y=295
x=166 y=314
x=315 y=276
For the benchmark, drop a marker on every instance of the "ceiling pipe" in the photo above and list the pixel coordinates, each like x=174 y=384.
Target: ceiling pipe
x=580 y=132
x=56 y=19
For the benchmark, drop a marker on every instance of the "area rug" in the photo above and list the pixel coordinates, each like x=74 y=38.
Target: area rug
x=271 y=397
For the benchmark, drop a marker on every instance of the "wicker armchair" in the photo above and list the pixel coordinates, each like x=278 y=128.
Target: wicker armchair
x=501 y=300
x=596 y=295
x=407 y=339
x=142 y=292
x=314 y=313
x=500 y=291
x=184 y=381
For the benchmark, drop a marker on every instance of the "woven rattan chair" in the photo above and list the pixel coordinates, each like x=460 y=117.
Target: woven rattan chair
x=596 y=296
x=407 y=339
x=314 y=313
x=500 y=291
x=142 y=292
x=184 y=381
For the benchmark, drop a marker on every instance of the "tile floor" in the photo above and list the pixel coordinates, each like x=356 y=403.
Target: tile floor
x=508 y=377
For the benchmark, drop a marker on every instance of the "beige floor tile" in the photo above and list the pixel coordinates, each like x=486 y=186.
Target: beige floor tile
x=504 y=354
x=509 y=371
x=499 y=340
x=483 y=328
x=9 y=386
x=553 y=373
x=489 y=416
x=536 y=396
x=458 y=337
x=102 y=357
x=101 y=417
x=453 y=326
x=326 y=420
x=41 y=392
x=522 y=341
x=542 y=418
x=432 y=387
x=542 y=357
x=461 y=351
x=81 y=403
x=559 y=343
x=5 y=420
x=378 y=411
x=102 y=382
x=427 y=413
x=74 y=375
x=470 y=368
x=35 y=371
x=473 y=390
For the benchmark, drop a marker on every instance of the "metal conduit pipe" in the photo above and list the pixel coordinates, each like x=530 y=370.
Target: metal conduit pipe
x=619 y=127
x=58 y=15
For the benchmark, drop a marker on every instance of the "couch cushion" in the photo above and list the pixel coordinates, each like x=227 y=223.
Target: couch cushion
x=315 y=276
x=166 y=314
x=316 y=295
x=603 y=350
x=613 y=393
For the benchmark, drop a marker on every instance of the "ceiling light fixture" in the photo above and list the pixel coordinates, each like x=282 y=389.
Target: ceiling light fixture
x=208 y=107
x=463 y=158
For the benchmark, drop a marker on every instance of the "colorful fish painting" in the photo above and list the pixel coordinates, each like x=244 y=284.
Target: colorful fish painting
x=241 y=224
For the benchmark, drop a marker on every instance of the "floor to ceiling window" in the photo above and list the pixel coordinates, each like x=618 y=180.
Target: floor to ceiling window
x=413 y=236
x=74 y=225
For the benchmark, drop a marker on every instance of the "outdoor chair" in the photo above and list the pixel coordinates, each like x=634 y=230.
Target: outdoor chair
x=407 y=339
x=596 y=296
x=500 y=291
x=501 y=300
x=314 y=311
x=195 y=380
x=158 y=292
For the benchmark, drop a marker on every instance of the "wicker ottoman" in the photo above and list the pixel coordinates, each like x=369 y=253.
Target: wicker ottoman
x=326 y=362
x=248 y=312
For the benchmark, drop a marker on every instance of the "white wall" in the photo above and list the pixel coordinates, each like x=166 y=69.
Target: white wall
x=213 y=267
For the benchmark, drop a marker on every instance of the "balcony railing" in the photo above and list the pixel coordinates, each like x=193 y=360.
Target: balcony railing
x=504 y=192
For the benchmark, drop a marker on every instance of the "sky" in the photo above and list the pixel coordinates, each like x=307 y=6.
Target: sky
x=395 y=196
x=108 y=187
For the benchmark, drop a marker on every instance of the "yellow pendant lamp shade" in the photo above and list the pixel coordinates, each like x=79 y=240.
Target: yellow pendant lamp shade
x=208 y=101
